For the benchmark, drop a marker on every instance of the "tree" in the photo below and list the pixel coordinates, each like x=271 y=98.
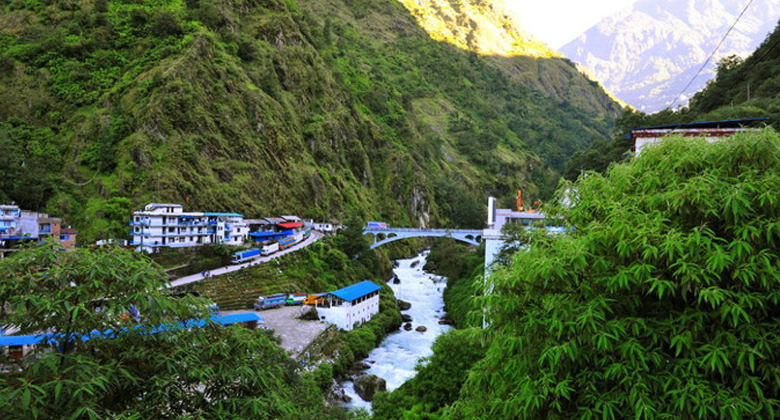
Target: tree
x=661 y=303
x=126 y=369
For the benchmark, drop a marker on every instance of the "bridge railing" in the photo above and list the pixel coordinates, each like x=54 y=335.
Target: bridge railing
x=373 y=229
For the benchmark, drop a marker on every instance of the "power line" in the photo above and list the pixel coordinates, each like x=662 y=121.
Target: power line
x=711 y=54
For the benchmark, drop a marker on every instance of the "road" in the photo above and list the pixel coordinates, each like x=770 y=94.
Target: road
x=314 y=237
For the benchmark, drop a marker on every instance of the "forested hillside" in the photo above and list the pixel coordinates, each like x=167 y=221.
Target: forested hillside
x=742 y=89
x=317 y=107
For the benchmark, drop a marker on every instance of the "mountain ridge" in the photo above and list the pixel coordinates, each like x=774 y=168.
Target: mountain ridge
x=647 y=53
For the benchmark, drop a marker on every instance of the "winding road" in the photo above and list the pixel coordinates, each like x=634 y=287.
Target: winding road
x=314 y=237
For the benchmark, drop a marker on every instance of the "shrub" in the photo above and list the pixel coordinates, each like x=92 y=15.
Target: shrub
x=662 y=303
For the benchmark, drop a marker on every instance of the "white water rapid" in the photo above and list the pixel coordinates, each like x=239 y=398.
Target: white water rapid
x=395 y=358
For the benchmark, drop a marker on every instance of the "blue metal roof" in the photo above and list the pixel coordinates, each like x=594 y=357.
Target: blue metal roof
x=22 y=340
x=222 y=320
x=270 y=234
x=703 y=124
x=224 y=214
x=356 y=291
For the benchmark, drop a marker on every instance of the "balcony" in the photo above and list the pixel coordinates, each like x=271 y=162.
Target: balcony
x=141 y=223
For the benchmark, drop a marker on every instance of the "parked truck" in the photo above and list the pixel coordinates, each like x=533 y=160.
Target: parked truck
x=270 y=249
x=272 y=301
x=287 y=242
x=244 y=256
x=296 y=298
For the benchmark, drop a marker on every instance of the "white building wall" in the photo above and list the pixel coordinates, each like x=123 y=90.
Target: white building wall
x=165 y=225
x=346 y=315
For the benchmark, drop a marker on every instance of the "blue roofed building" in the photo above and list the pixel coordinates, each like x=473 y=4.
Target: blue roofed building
x=351 y=306
x=19 y=346
x=161 y=225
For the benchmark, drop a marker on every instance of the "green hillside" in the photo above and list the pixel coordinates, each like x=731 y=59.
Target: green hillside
x=316 y=107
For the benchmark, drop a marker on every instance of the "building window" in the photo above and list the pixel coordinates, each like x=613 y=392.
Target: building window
x=64 y=237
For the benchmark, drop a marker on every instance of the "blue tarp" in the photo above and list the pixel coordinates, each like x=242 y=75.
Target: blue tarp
x=356 y=291
x=221 y=320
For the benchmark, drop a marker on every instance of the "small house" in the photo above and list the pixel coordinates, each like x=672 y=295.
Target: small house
x=351 y=306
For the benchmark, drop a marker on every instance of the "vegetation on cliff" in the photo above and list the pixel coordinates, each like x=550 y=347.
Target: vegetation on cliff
x=320 y=108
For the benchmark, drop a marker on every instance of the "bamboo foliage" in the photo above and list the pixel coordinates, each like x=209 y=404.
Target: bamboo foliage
x=661 y=302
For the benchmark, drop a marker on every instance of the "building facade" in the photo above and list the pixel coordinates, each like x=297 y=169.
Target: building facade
x=711 y=131
x=168 y=226
x=498 y=218
x=17 y=225
x=351 y=306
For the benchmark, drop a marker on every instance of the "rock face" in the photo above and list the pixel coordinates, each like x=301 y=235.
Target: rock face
x=421 y=328
x=646 y=54
x=368 y=385
x=403 y=305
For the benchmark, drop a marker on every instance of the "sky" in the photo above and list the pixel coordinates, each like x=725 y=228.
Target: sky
x=556 y=22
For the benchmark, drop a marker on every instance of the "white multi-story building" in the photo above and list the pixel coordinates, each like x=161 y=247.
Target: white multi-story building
x=167 y=225
x=351 y=306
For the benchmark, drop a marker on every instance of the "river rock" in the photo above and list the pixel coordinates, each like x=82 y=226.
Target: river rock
x=396 y=280
x=408 y=326
x=445 y=321
x=421 y=328
x=368 y=385
x=336 y=395
x=361 y=366
x=414 y=264
x=403 y=305
x=395 y=264
x=406 y=318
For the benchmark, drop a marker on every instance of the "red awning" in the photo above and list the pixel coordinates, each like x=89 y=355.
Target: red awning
x=290 y=225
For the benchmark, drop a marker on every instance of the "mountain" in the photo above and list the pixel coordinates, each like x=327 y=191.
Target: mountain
x=646 y=54
x=318 y=107
x=741 y=89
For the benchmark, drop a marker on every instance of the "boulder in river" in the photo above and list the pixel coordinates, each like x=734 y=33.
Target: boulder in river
x=421 y=328
x=336 y=394
x=445 y=321
x=403 y=305
x=414 y=263
x=408 y=326
x=368 y=385
x=406 y=318
x=395 y=264
x=396 y=280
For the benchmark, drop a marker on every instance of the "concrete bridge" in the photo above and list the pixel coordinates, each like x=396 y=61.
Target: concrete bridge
x=384 y=235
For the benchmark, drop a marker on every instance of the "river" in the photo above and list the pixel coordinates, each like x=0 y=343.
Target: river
x=395 y=358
